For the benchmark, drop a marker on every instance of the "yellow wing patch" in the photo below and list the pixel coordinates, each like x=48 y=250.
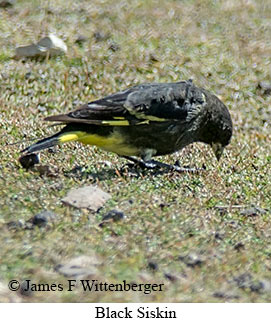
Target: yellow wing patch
x=116 y=123
x=114 y=143
x=123 y=122
x=71 y=136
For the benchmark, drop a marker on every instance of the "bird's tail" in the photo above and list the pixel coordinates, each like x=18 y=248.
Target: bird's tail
x=54 y=140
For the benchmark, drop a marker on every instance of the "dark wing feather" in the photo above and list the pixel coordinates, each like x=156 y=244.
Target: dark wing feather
x=155 y=102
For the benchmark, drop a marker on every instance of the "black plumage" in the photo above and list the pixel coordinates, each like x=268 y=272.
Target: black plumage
x=147 y=120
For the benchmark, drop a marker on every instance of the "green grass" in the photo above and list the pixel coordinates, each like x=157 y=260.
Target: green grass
x=224 y=47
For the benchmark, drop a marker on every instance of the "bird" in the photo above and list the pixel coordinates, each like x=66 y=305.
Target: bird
x=145 y=121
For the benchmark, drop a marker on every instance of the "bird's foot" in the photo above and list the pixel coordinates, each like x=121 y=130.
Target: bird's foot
x=153 y=164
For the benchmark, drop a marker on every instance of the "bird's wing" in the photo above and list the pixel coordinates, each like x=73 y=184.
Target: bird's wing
x=142 y=104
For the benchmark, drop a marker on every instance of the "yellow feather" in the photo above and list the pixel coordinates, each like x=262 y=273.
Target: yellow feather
x=116 y=123
x=114 y=143
x=71 y=136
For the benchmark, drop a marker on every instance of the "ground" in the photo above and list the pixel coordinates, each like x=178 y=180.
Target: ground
x=196 y=233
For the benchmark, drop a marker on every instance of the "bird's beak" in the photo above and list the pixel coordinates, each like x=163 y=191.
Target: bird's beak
x=217 y=149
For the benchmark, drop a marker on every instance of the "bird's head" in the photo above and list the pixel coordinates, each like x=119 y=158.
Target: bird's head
x=217 y=125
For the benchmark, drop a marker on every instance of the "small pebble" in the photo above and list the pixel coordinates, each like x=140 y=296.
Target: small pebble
x=225 y=295
x=114 y=47
x=114 y=215
x=265 y=87
x=239 y=246
x=15 y=225
x=80 y=40
x=153 y=58
x=243 y=281
x=28 y=161
x=100 y=36
x=7 y=3
x=219 y=235
x=152 y=266
x=192 y=260
x=23 y=289
x=170 y=277
x=257 y=287
x=41 y=219
x=253 y=211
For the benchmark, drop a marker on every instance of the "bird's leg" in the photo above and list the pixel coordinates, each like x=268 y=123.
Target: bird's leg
x=151 y=164
x=135 y=161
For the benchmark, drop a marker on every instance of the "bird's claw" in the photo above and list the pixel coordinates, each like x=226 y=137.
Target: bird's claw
x=153 y=164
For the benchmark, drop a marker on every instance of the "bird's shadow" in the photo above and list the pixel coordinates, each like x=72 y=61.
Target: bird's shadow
x=127 y=171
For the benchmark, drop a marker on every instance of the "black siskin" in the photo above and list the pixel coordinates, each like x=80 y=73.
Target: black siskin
x=147 y=120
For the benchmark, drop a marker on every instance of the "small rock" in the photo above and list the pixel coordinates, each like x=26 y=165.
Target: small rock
x=152 y=266
x=80 y=40
x=265 y=87
x=257 y=287
x=114 y=215
x=239 y=246
x=253 y=211
x=192 y=260
x=243 y=280
x=100 y=36
x=89 y=197
x=28 y=161
x=80 y=267
x=43 y=218
x=219 y=235
x=15 y=225
x=50 y=45
x=19 y=225
x=266 y=285
x=225 y=295
x=24 y=291
x=246 y=281
x=114 y=47
x=7 y=3
x=27 y=75
x=153 y=58
x=171 y=277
